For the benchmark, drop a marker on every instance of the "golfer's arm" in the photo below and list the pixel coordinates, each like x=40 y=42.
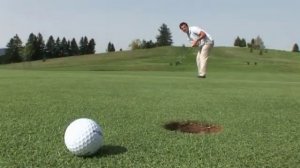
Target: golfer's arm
x=202 y=35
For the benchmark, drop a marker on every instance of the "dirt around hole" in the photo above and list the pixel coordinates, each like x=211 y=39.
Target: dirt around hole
x=194 y=127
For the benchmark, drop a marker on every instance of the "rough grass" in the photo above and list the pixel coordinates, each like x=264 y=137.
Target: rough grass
x=257 y=106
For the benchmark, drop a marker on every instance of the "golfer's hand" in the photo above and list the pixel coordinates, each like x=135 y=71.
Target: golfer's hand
x=195 y=43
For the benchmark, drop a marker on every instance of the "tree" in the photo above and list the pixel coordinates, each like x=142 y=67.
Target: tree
x=252 y=43
x=258 y=43
x=64 y=47
x=243 y=43
x=83 y=45
x=57 y=48
x=91 y=46
x=165 y=37
x=74 y=48
x=50 y=48
x=31 y=48
x=147 y=44
x=295 y=48
x=110 y=47
x=40 y=47
x=237 y=42
x=13 y=51
x=69 y=47
x=135 y=44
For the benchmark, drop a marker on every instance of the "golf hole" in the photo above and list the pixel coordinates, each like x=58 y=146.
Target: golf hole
x=194 y=127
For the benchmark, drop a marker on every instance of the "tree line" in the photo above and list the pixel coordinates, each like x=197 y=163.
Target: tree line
x=164 y=38
x=36 y=49
x=257 y=44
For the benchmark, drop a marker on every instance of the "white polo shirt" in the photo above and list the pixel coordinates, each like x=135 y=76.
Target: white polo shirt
x=193 y=35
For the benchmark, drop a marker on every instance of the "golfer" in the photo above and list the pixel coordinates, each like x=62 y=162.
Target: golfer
x=199 y=38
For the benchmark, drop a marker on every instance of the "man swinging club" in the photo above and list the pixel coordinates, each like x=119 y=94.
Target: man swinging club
x=199 y=38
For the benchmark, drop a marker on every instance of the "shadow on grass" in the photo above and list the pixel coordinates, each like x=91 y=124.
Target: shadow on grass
x=109 y=150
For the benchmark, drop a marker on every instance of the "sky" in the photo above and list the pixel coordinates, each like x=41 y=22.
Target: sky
x=122 y=21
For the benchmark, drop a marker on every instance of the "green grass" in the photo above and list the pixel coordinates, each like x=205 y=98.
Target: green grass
x=133 y=96
x=146 y=60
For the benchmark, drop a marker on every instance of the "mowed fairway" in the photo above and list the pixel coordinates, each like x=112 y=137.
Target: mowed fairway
x=258 y=108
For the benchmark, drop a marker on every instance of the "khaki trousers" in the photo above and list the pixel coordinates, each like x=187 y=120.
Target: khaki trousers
x=202 y=57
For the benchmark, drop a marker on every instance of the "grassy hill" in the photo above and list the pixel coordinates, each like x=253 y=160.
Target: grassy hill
x=165 y=59
x=133 y=94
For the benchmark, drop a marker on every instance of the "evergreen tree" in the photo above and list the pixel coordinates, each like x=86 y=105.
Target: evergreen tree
x=74 y=48
x=40 y=48
x=147 y=44
x=86 y=43
x=91 y=46
x=13 y=51
x=295 y=48
x=57 y=48
x=50 y=48
x=237 y=42
x=165 y=37
x=144 y=44
x=69 y=48
x=83 y=48
x=113 y=47
x=151 y=44
x=110 y=47
x=243 y=43
x=64 y=47
x=31 y=47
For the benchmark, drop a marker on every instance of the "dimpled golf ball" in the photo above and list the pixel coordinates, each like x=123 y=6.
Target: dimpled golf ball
x=83 y=137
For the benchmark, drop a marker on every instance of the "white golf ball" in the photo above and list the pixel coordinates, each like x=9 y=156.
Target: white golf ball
x=83 y=137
